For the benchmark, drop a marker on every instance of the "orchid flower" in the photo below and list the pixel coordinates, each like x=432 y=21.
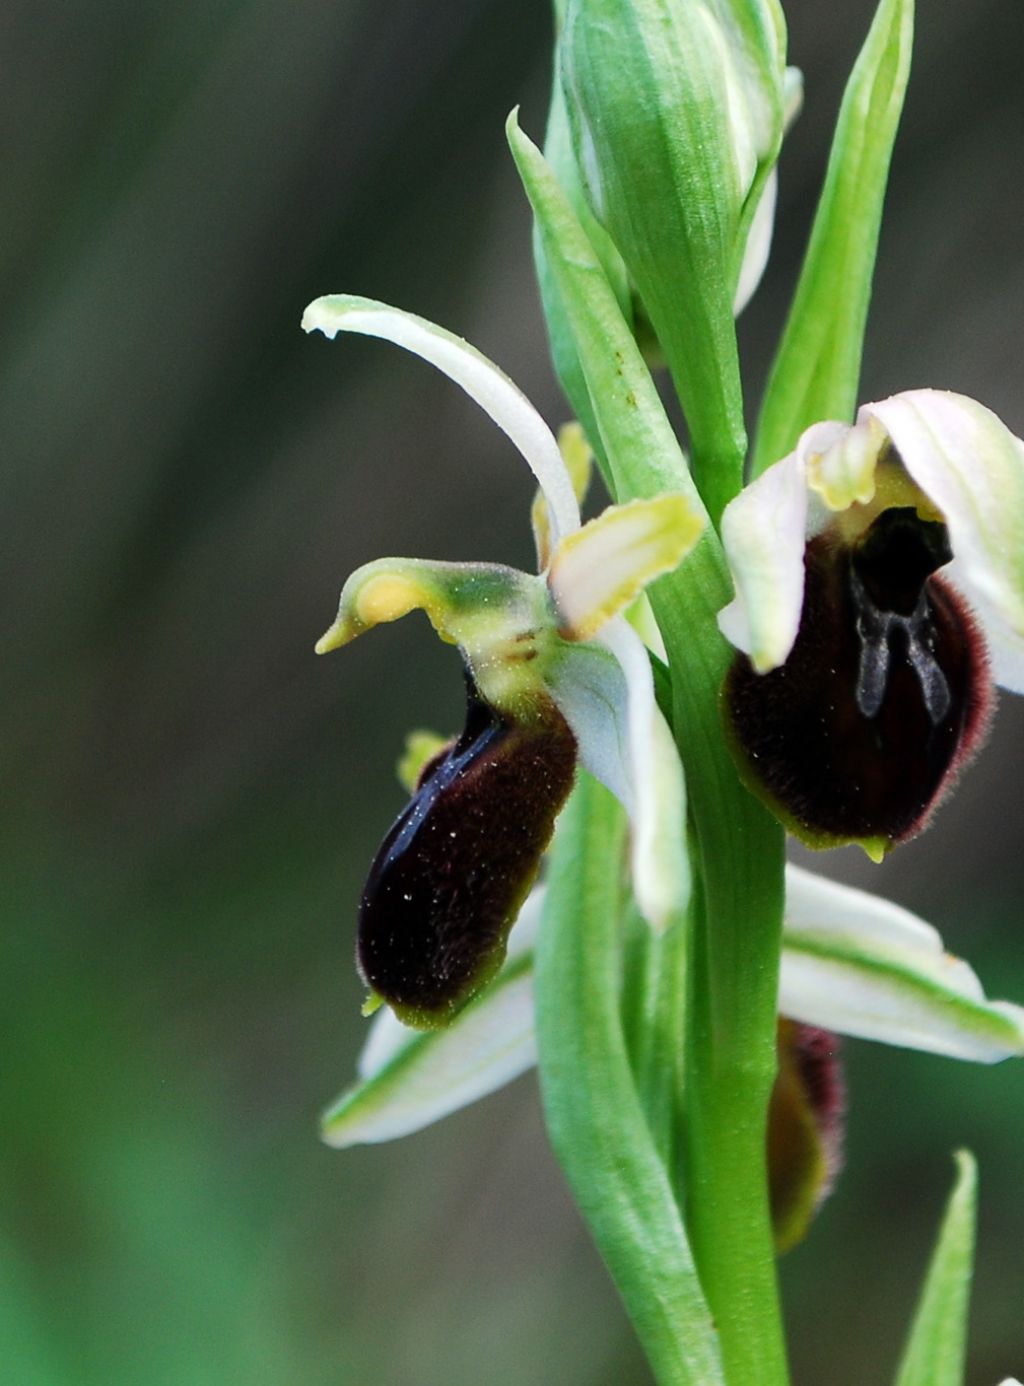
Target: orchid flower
x=879 y=575
x=554 y=672
x=851 y=962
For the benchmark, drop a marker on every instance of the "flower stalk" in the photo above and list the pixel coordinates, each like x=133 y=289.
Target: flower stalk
x=821 y=650
x=729 y=1033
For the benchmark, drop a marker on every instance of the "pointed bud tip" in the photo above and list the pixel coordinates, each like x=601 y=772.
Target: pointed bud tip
x=332 y=639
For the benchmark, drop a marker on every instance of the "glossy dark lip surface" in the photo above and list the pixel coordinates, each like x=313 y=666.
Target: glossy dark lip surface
x=453 y=870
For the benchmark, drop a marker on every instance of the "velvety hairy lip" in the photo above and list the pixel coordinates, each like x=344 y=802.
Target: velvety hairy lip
x=451 y=874
x=885 y=694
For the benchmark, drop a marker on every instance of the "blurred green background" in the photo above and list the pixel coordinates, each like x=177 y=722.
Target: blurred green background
x=191 y=797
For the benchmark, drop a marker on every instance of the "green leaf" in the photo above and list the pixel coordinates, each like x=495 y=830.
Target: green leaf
x=817 y=369
x=936 y=1350
x=630 y=427
x=594 y=1115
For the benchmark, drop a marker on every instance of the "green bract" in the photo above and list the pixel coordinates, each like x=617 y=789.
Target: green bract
x=937 y=1348
x=676 y=112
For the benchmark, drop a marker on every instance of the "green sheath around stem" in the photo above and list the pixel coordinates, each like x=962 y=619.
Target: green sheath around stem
x=598 y=1127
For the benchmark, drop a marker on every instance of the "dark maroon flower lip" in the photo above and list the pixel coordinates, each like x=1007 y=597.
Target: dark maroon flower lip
x=450 y=876
x=805 y=1127
x=885 y=696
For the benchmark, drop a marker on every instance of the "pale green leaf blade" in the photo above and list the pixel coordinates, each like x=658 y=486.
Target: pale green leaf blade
x=937 y=1347
x=817 y=368
x=594 y=1115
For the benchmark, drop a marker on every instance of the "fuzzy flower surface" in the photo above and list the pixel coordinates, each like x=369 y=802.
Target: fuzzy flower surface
x=879 y=593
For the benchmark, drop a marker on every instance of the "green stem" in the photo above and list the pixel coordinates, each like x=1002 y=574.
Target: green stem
x=731 y=1047
x=734 y=970
x=654 y=1000
x=595 y=1119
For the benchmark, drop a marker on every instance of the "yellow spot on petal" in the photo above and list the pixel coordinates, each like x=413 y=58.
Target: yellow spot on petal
x=387 y=598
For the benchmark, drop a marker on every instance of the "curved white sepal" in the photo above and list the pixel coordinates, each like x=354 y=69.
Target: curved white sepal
x=861 y=965
x=481 y=379
x=763 y=531
x=411 y=1078
x=851 y=962
x=660 y=863
x=605 y=691
x=971 y=467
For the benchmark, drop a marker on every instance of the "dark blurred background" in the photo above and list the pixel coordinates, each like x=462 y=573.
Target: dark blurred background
x=191 y=797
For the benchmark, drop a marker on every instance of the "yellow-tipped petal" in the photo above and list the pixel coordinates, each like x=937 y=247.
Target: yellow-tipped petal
x=596 y=572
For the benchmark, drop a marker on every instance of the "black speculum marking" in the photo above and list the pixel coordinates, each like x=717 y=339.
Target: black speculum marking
x=448 y=879
x=886 y=688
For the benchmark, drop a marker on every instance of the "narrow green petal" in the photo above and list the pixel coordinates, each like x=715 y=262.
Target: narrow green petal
x=861 y=965
x=936 y=1351
x=817 y=369
x=579 y=460
x=421 y=747
x=595 y=1117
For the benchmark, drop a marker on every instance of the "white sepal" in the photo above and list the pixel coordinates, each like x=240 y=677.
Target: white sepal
x=660 y=863
x=763 y=531
x=969 y=464
x=481 y=379
x=861 y=965
x=851 y=962
x=605 y=691
x=411 y=1078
